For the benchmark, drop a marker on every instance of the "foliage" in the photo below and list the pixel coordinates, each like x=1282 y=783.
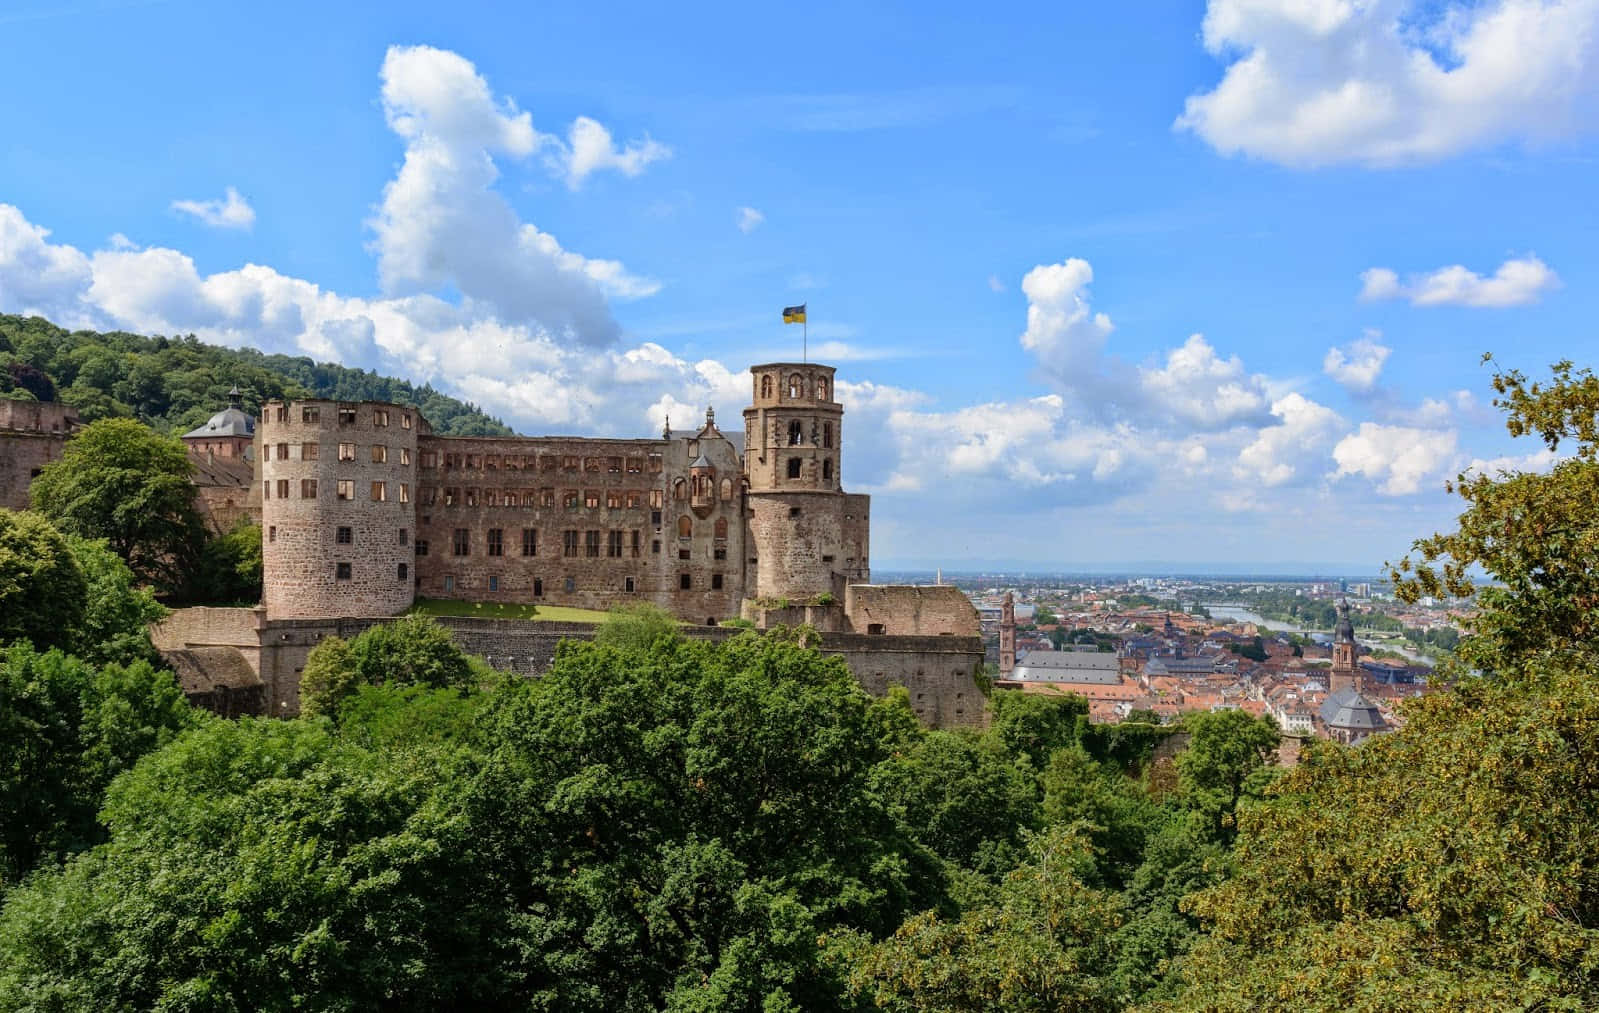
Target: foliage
x=410 y=651
x=42 y=585
x=174 y=385
x=117 y=613
x=25 y=382
x=1225 y=763
x=119 y=481
x=1032 y=726
x=229 y=570
x=635 y=627
x=68 y=730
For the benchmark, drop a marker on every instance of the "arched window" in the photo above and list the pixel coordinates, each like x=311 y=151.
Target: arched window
x=796 y=386
x=685 y=527
x=680 y=489
x=766 y=385
x=727 y=490
x=821 y=389
x=827 y=469
x=796 y=433
x=827 y=434
x=721 y=527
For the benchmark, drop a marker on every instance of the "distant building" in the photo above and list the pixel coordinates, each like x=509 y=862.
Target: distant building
x=1348 y=714
x=1087 y=667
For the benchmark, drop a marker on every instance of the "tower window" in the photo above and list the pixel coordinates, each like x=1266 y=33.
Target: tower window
x=821 y=389
x=796 y=433
x=827 y=434
x=685 y=582
x=685 y=527
x=716 y=582
x=793 y=512
x=341 y=571
x=403 y=572
x=530 y=541
x=461 y=543
x=538 y=587
x=496 y=542
x=796 y=386
x=628 y=584
x=766 y=385
x=827 y=469
x=793 y=467
x=344 y=536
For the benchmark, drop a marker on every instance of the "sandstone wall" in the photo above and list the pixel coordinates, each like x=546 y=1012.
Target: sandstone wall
x=32 y=434
x=902 y=609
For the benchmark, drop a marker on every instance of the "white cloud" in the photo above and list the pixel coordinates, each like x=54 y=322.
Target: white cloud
x=1200 y=389
x=589 y=149
x=441 y=223
x=1385 y=82
x=1357 y=365
x=1063 y=333
x=1278 y=453
x=38 y=276
x=1398 y=459
x=229 y=212
x=749 y=220
x=1516 y=283
x=1538 y=462
x=994 y=284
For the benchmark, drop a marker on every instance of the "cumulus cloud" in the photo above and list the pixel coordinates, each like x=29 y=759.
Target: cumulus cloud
x=38 y=276
x=1063 y=333
x=229 y=212
x=1357 y=365
x=1538 y=462
x=749 y=219
x=589 y=148
x=441 y=222
x=1386 y=82
x=1516 y=283
x=1201 y=389
x=1284 y=451
x=1397 y=459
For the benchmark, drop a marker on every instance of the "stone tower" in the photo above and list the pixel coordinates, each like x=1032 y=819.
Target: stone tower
x=1346 y=674
x=1007 y=637
x=807 y=535
x=338 y=517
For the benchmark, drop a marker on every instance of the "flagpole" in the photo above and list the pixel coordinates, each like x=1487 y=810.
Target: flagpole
x=805 y=338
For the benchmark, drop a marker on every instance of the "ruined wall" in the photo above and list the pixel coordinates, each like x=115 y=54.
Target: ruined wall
x=911 y=610
x=583 y=522
x=337 y=482
x=939 y=673
x=32 y=434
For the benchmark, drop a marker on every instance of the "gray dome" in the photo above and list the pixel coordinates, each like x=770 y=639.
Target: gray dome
x=230 y=421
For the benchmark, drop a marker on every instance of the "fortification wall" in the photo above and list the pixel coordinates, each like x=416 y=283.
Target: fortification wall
x=912 y=610
x=22 y=456
x=336 y=507
x=939 y=673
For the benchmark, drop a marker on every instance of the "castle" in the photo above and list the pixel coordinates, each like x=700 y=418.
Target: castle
x=364 y=509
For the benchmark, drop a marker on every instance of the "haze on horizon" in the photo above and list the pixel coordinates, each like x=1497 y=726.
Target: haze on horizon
x=1206 y=286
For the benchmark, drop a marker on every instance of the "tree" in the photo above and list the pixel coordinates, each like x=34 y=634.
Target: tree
x=117 y=614
x=119 y=481
x=230 y=567
x=410 y=651
x=1536 y=536
x=1224 y=763
x=42 y=587
x=636 y=627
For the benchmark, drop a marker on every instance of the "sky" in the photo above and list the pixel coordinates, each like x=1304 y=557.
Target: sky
x=1200 y=283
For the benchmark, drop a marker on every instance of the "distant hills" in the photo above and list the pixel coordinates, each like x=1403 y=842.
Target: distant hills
x=176 y=384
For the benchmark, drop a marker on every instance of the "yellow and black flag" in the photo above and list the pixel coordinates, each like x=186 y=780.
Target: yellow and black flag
x=794 y=314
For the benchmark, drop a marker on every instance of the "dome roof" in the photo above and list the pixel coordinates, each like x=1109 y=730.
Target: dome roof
x=230 y=421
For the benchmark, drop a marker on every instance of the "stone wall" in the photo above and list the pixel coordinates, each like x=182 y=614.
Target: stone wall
x=32 y=434
x=939 y=673
x=910 y=610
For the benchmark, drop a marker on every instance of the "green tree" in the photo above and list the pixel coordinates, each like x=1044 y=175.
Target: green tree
x=410 y=651
x=229 y=569
x=119 y=481
x=636 y=627
x=42 y=586
x=117 y=613
x=1033 y=726
x=1225 y=763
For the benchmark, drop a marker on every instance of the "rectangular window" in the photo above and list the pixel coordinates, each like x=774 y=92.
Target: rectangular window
x=283 y=413
x=308 y=488
x=471 y=497
x=405 y=492
x=569 y=543
x=403 y=573
x=491 y=497
x=530 y=541
x=283 y=488
x=283 y=451
x=655 y=547
x=491 y=462
x=380 y=416
x=405 y=455
x=638 y=539
x=310 y=451
x=718 y=553
x=405 y=420
x=685 y=554
x=571 y=584
x=421 y=546
x=716 y=582
x=452 y=497
x=546 y=497
x=685 y=582
x=591 y=544
x=538 y=587
x=613 y=499
x=496 y=542
x=341 y=571
x=344 y=536
x=404 y=536
x=380 y=492
x=613 y=465
x=474 y=461
x=570 y=499
x=346 y=416
x=380 y=454
x=569 y=462
x=655 y=464
x=272 y=533
x=311 y=414
x=655 y=518
x=346 y=451
x=449 y=584
x=461 y=542
x=635 y=465
x=613 y=544
x=430 y=458
x=494 y=583
x=593 y=464
x=655 y=499
x=634 y=498
x=266 y=489
x=591 y=498
x=628 y=585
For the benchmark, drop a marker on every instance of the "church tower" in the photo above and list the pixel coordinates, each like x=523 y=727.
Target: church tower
x=1346 y=674
x=807 y=535
x=1007 y=637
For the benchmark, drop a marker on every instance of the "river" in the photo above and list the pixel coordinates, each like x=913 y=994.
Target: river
x=1238 y=613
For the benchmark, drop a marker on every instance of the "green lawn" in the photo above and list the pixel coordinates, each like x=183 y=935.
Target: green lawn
x=506 y=610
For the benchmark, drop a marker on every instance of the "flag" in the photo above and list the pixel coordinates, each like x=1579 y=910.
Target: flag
x=794 y=314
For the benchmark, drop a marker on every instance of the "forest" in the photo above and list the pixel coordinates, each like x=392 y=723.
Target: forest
x=175 y=384
x=667 y=823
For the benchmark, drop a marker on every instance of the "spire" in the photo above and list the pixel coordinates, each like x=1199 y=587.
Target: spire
x=710 y=416
x=235 y=399
x=666 y=430
x=1344 y=632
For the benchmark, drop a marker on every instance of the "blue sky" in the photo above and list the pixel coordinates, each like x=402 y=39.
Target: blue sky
x=1009 y=222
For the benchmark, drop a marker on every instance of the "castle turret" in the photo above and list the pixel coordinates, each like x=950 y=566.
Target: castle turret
x=337 y=511
x=809 y=536
x=1007 y=637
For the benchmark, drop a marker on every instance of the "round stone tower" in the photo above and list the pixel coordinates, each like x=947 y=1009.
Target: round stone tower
x=807 y=535
x=337 y=508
